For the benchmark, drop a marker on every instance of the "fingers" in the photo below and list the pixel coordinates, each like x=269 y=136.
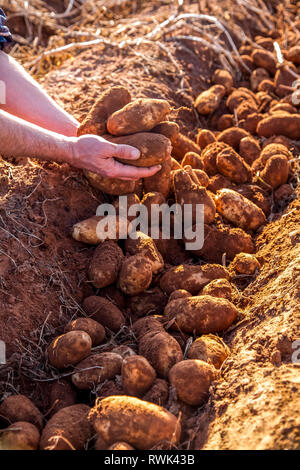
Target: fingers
x=132 y=172
x=126 y=151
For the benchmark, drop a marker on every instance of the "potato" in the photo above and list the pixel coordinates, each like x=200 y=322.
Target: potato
x=104 y=312
x=121 y=446
x=112 y=186
x=202 y=177
x=269 y=151
x=257 y=76
x=135 y=274
x=249 y=149
x=89 y=231
x=132 y=199
x=286 y=107
x=191 y=278
x=146 y=325
x=244 y=109
x=209 y=100
x=293 y=54
x=124 y=351
x=96 y=369
x=238 y=96
x=161 y=350
x=144 y=245
x=210 y=349
x=68 y=429
x=158 y=393
x=284 y=79
x=264 y=59
x=114 y=295
x=20 y=408
x=276 y=171
x=204 y=138
x=247 y=64
x=192 y=159
x=223 y=77
x=238 y=210
x=244 y=263
x=251 y=122
x=105 y=264
x=266 y=43
x=223 y=240
x=232 y=136
x=225 y=121
x=140 y=115
x=109 y=102
x=257 y=195
x=209 y=157
x=69 y=349
x=201 y=314
x=267 y=86
x=160 y=182
x=139 y=423
x=149 y=200
x=172 y=250
x=94 y=329
x=283 y=194
x=175 y=165
x=231 y=165
x=151 y=301
x=168 y=129
x=217 y=288
x=62 y=394
x=287 y=125
x=182 y=145
x=20 y=435
x=218 y=182
x=137 y=375
x=179 y=294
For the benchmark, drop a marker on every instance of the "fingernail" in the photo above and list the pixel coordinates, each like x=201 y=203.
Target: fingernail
x=158 y=166
x=135 y=153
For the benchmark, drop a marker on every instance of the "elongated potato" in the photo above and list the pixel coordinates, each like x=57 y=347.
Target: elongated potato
x=68 y=429
x=223 y=77
x=182 y=145
x=287 y=125
x=95 y=369
x=20 y=408
x=193 y=392
x=209 y=100
x=109 y=102
x=210 y=349
x=238 y=210
x=231 y=165
x=265 y=59
x=201 y=314
x=137 y=375
x=160 y=182
x=249 y=149
x=168 y=129
x=135 y=275
x=140 y=115
x=269 y=151
x=232 y=136
x=97 y=229
x=69 y=349
x=191 y=278
x=139 y=423
x=238 y=96
x=20 y=435
x=105 y=265
x=112 y=186
x=144 y=245
x=218 y=288
x=104 y=312
x=93 y=328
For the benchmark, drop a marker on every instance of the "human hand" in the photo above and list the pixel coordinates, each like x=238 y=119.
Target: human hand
x=96 y=154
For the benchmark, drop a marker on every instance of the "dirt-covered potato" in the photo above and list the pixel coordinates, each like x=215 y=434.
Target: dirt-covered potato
x=137 y=375
x=161 y=350
x=209 y=100
x=287 y=107
x=93 y=328
x=201 y=314
x=238 y=210
x=238 y=96
x=95 y=369
x=179 y=294
x=218 y=182
x=139 y=423
x=192 y=159
x=132 y=199
x=267 y=86
x=182 y=145
x=175 y=165
x=135 y=275
x=217 y=288
x=191 y=379
x=191 y=278
x=62 y=394
x=204 y=138
x=109 y=102
x=209 y=157
x=144 y=245
x=112 y=186
x=251 y=122
x=140 y=115
x=210 y=349
x=158 y=393
x=168 y=129
x=245 y=263
x=105 y=264
x=257 y=76
x=222 y=240
x=293 y=54
x=121 y=446
x=160 y=182
x=93 y=231
x=123 y=350
x=232 y=136
x=20 y=435
x=231 y=165
x=69 y=349
x=151 y=301
x=68 y=429
x=284 y=124
x=264 y=59
x=283 y=194
x=20 y=408
x=276 y=171
x=269 y=151
x=249 y=149
x=225 y=121
x=223 y=77
x=244 y=109
x=146 y=325
x=104 y=311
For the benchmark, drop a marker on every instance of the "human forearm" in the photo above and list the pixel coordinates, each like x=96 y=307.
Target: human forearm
x=27 y=100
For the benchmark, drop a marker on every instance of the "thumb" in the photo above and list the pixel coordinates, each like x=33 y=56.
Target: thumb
x=127 y=152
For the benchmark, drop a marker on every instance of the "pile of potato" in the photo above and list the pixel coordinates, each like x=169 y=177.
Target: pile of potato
x=175 y=304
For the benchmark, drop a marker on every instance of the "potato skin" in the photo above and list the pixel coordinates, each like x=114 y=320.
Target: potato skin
x=147 y=325
x=71 y=423
x=231 y=165
x=201 y=314
x=109 y=102
x=191 y=278
x=287 y=125
x=168 y=129
x=105 y=264
x=140 y=115
x=218 y=288
x=120 y=446
x=182 y=145
x=62 y=394
x=232 y=136
x=276 y=171
x=20 y=435
x=112 y=186
x=193 y=392
x=141 y=424
x=87 y=230
x=192 y=159
x=151 y=301
x=93 y=328
x=239 y=210
x=264 y=59
x=158 y=393
x=209 y=100
x=144 y=245
x=209 y=157
x=137 y=375
x=109 y=365
x=245 y=263
x=103 y=311
x=20 y=408
x=249 y=149
x=69 y=349
x=210 y=349
x=135 y=275
x=160 y=182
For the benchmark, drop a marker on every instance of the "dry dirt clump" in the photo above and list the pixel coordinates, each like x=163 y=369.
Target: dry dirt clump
x=127 y=332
